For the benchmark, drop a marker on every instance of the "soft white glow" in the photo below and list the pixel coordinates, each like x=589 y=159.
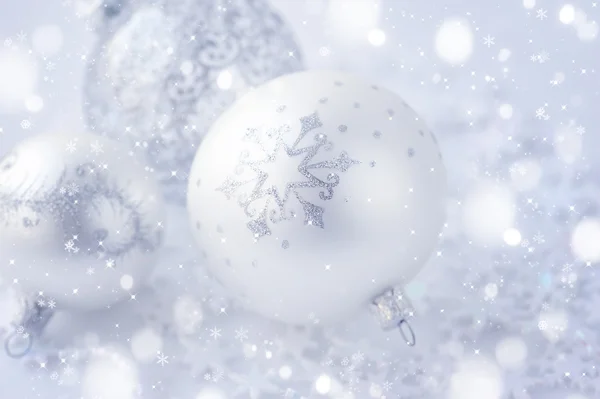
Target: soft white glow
x=588 y=31
x=352 y=18
x=110 y=375
x=187 y=314
x=285 y=372
x=512 y=237
x=47 y=40
x=34 y=103
x=585 y=240
x=126 y=282
x=186 y=68
x=12 y=307
x=529 y=4
x=454 y=41
x=225 y=80
x=490 y=291
x=567 y=14
x=553 y=325
x=476 y=378
x=511 y=353
x=488 y=211
x=503 y=55
x=145 y=344
x=323 y=384
x=376 y=37
x=211 y=393
x=375 y=391
x=568 y=145
x=505 y=111
x=525 y=174
x=18 y=77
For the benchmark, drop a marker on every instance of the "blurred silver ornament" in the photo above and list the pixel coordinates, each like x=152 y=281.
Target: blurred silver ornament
x=80 y=222
x=164 y=70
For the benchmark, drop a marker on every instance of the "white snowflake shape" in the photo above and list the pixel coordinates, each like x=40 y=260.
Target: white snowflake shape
x=215 y=333
x=241 y=334
x=217 y=375
x=489 y=41
x=71 y=189
x=71 y=147
x=538 y=238
x=162 y=359
x=70 y=247
x=543 y=56
x=541 y=14
x=275 y=209
x=96 y=148
x=540 y=113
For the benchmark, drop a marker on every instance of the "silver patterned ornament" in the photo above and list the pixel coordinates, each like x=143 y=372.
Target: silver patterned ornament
x=164 y=70
x=80 y=222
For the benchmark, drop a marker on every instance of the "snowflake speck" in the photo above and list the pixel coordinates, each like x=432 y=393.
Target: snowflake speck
x=275 y=201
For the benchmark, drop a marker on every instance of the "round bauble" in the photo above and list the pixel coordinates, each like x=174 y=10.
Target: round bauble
x=78 y=215
x=315 y=193
x=163 y=70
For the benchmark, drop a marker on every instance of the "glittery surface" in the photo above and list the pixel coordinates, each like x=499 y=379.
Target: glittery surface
x=276 y=208
x=156 y=76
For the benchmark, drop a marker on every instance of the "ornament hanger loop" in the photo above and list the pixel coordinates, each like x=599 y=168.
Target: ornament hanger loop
x=404 y=327
x=392 y=308
x=20 y=341
x=17 y=345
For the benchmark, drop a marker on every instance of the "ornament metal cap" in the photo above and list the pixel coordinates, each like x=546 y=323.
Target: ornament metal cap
x=392 y=308
x=20 y=341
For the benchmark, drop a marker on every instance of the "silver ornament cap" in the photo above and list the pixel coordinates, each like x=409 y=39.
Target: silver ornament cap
x=392 y=309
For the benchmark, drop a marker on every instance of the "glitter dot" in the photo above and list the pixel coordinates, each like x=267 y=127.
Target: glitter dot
x=377 y=134
x=285 y=244
x=342 y=128
x=411 y=152
x=323 y=100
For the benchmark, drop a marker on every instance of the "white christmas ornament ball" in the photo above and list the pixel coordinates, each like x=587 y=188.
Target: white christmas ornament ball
x=164 y=70
x=76 y=214
x=315 y=193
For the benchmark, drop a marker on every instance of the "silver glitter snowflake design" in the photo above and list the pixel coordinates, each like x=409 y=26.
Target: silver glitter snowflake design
x=276 y=208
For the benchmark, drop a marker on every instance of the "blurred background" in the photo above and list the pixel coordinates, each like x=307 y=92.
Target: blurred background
x=508 y=307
